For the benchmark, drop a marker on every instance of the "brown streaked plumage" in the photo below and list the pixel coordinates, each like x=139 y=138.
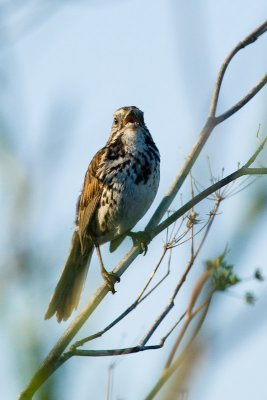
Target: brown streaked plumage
x=119 y=187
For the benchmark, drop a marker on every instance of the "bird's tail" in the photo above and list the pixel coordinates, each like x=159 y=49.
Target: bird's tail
x=68 y=291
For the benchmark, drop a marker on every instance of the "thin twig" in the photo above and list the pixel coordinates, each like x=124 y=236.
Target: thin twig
x=157 y=284
x=256 y=153
x=166 y=374
x=241 y=103
x=243 y=185
x=134 y=349
x=128 y=350
x=138 y=300
x=170 y=304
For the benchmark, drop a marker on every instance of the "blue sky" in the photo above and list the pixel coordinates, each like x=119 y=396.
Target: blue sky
x=63 y=77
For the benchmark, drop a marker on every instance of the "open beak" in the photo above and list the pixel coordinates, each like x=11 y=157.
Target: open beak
x=131 y=118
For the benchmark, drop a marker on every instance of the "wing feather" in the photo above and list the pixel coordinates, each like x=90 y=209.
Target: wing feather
x=90 y=196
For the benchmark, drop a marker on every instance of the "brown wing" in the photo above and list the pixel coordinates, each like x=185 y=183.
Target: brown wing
x=90 y=196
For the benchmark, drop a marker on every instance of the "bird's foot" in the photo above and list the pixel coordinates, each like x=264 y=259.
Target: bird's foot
x=110 y=278
x=141 y=239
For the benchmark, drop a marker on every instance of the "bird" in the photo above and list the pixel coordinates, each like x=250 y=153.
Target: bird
x=120 y=185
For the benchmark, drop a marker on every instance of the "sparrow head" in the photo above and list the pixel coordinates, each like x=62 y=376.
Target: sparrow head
x=128 y=117
x=129 y=134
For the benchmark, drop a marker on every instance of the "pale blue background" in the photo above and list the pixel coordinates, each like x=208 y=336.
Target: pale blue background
x=64 y=70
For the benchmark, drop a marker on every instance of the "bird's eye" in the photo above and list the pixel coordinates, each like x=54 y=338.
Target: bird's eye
x=116 y=121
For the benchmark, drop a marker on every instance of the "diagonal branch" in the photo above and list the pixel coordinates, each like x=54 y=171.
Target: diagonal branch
x=52 y=361
x=210 y=124
x=207 y=192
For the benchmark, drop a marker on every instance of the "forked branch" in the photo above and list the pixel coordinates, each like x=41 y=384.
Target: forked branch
x=52 y=361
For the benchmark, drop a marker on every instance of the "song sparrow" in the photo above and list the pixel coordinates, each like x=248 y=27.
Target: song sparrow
x=119 y=186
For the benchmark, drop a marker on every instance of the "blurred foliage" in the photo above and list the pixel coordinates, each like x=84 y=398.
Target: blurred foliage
x=20 y=293
x=23 y=262
x=222 y=273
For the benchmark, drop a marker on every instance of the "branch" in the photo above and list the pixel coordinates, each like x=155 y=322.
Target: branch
x=129 y=350
x=252 y=37
x=244 y=100
x=109 y=352
x=205 y=193
x=210 y=124
x=52 y=361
